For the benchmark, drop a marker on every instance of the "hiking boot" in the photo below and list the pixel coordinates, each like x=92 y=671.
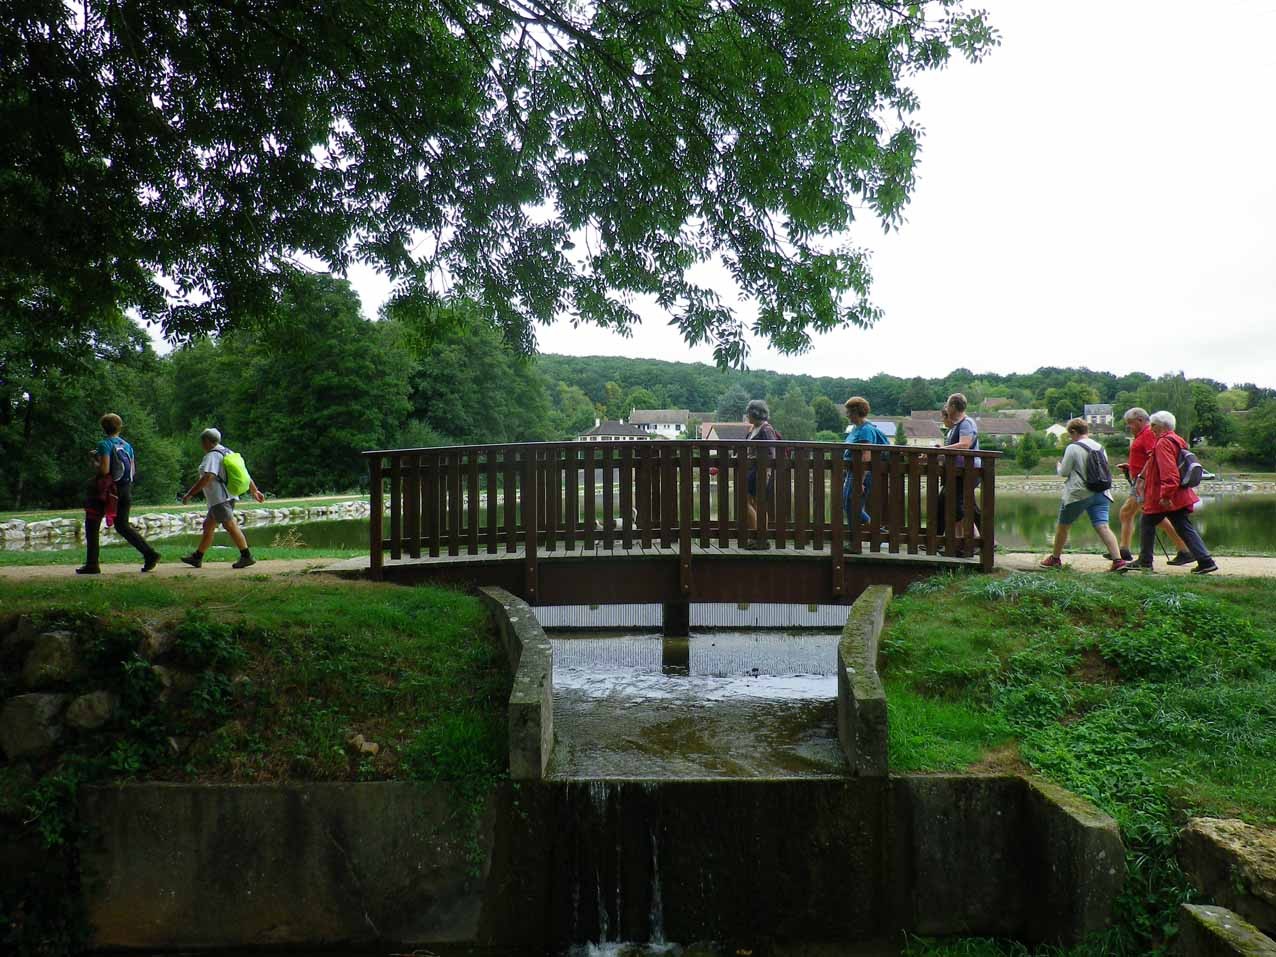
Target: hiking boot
x=1139 y=567
x=88 y=570
x=244 y=561
x=1205 y=567
x=1182 y=558
x=1126 y=555
x=1120 y=566
x=151 y=561
x=1051 y=561
x=194 y=559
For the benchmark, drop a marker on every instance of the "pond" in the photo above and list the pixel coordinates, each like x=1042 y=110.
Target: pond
x=1242 y=522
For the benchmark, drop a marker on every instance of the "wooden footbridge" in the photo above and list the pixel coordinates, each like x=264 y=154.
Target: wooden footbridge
x=594 y=523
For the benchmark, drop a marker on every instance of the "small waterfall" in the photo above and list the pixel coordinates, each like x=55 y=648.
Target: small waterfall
x=656 y=917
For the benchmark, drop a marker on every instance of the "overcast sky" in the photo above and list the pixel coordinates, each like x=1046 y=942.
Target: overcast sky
x=1099 y=191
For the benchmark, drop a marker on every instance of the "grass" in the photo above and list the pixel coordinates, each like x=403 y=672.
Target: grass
x=1155 y=699
x=311 y=662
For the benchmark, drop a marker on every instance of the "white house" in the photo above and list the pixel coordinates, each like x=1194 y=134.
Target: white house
x=1099 y=413
x=665 y=423
x=614 y=432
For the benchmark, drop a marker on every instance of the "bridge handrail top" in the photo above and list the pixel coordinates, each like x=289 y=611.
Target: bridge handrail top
x=680 y=443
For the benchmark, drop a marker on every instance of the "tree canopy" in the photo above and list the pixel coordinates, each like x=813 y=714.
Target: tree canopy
x=178 y=157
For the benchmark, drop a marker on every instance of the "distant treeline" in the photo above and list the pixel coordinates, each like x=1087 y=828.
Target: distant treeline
x=304 y=394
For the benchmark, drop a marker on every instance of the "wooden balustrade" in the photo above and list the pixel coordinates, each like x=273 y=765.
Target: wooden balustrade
x=679 y=497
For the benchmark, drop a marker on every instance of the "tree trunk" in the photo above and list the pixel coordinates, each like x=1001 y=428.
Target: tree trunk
x=22 y=460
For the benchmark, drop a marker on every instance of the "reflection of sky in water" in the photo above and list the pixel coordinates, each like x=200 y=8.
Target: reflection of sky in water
x=704 y=669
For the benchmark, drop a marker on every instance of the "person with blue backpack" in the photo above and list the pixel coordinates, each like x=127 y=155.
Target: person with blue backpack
x=115 y=468
x=222 y=478
x=861 y=432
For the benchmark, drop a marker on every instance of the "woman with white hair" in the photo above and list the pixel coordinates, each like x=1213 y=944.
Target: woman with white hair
x=1142 y=442
x=1164 y=498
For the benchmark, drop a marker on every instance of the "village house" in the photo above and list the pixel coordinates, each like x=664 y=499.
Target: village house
x=664 y=423
x=614 y=432
x=1098 y=413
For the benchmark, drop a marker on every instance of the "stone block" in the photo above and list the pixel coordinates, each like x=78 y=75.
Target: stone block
x=861 y=701
x=18 y=639
x=1233 y=864
x=155 y=642
x=31 y=724
x=1209 y=931
x=90 y=711
x=54 y=659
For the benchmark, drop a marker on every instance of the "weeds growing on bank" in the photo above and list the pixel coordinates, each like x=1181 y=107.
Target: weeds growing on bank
x=1154 y=698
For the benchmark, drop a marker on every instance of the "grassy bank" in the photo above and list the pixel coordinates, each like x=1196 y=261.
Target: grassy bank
x=1156 y=699
x=253 y=680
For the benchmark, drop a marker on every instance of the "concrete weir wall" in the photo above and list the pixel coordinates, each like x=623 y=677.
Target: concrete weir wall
x=540 y=865
x=861 y=700
x=531 y=704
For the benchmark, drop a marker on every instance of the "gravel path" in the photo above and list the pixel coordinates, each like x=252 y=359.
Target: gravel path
x=1241 y=567
x=278 y=566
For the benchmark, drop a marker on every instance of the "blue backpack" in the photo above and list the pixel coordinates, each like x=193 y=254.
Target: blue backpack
x=123 y=468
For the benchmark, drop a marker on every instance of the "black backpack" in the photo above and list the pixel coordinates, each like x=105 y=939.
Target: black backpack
x=1098 y=478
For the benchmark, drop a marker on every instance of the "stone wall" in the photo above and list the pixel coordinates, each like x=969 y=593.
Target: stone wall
x=861 y=700
x=531 y=703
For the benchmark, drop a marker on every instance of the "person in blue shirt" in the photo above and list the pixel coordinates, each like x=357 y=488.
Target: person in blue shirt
x=862 y=431
x=114 y=462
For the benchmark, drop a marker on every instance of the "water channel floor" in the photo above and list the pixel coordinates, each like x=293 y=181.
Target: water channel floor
x=716 y=705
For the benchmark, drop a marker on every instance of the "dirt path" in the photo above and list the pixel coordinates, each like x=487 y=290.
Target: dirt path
x=1245 y=567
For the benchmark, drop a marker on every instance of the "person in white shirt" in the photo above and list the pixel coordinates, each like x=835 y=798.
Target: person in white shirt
x=1080 y=497
x=221 y=504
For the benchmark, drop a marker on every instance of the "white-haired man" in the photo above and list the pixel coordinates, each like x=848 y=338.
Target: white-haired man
x=1164 y=498
x=221 y=504
x=1142 y=441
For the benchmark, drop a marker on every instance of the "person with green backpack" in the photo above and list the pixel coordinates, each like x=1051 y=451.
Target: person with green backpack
x=223 y=478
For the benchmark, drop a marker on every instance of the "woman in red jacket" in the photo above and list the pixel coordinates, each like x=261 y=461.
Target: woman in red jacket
x=1164 y=498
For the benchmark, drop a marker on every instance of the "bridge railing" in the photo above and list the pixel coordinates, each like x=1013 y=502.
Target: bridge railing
x=553 y=497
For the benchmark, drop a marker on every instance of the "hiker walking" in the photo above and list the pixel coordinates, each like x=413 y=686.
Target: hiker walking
x=1142 y=441
x=758 y=417
x=1165 y=496
x=221 y=503
x=963 y=433
x=1087 y=488
x=110 y=497
x=861 y=432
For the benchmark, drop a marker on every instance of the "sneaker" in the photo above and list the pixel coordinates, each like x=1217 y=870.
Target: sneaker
x=1126 y=555
x=1120 y=566
x=1182 y=558
x=151 y=561
x=88 y=570
x=1139 y=567
x=1052 y=561
x=244 y=561
x=1205 y=567
x=194 y=559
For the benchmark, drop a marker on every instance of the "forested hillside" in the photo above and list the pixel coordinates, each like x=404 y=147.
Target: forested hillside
x=304 y=394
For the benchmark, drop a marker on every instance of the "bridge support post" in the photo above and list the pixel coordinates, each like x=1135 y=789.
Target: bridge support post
x=676 y=620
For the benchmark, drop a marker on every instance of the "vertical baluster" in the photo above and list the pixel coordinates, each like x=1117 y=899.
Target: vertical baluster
x=571 y=463
x=590 y=516
x=742 y=463
x=531 y=521
x=609 y=495
x=988 y=522
x=627 y=477
x=376 y=505
x=836 y=534
x=914 y=500
x=895 y=500
x=491 y=501
x=668 y=497
x=685 y=504
x=431 y=495
x=969 y=475
x=722 y=455
x=932 y=502
x=509 y=469
x=706 y=499
x=396 y=506
x=454 y=504
x=472 y=493
x=819 y=496
x=877 y=500
x=858 y=470
x=950 y=505
x=553 y=498
x=776 y=494
x=644 y=495
x=801 y=496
